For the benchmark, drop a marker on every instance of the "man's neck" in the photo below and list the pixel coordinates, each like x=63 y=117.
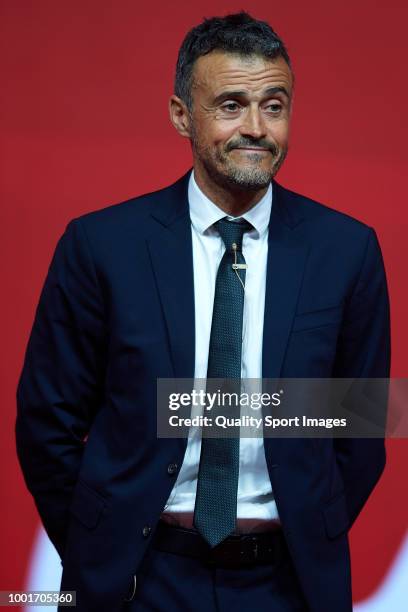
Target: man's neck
x=234 y=202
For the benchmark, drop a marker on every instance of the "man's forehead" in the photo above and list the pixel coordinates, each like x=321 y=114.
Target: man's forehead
x=220 y=69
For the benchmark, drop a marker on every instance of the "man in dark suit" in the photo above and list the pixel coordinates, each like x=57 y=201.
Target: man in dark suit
x=223 y=274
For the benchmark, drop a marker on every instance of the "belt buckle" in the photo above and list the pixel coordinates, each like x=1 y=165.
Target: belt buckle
x=251 y=549
x=248 y=553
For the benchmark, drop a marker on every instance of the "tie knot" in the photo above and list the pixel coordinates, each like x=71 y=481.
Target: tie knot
x=232 y=232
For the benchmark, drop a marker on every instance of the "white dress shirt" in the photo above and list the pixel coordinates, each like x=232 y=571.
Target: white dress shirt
x=255 y=498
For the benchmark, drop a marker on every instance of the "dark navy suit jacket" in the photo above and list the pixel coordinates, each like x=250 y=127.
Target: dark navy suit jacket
x=117 y=312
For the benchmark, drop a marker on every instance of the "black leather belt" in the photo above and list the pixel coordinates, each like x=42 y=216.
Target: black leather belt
x=235 y=551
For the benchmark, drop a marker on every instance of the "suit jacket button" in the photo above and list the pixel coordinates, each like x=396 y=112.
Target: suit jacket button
x=146 y=531
x=172 y=468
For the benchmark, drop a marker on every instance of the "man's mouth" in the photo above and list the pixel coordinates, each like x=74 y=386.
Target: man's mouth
x=251 y=149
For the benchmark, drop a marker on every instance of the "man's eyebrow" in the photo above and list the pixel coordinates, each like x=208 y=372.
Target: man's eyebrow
x=271 y=91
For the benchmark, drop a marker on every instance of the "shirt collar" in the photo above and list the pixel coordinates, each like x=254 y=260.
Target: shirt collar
x=204 y=213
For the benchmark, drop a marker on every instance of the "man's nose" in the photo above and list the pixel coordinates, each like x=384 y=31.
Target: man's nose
x=253 y=123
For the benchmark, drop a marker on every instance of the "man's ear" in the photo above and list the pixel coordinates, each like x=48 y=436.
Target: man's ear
x=179 y=116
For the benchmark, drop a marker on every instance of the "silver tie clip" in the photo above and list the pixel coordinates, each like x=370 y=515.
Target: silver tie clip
x=237 y=266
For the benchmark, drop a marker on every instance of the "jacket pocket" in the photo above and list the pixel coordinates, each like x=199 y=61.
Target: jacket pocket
x=87 y=505
x=317 y=318
x=335 y=516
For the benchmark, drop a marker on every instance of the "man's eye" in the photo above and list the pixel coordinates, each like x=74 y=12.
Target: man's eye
x=274 y=107
x=230 y=107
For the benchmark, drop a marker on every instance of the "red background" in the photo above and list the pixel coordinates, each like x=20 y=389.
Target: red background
x=84 y=124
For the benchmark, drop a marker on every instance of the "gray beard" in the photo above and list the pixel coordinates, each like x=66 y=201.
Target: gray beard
x=248 y=179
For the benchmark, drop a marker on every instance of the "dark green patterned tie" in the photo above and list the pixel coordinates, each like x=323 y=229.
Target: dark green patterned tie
x=217 y=486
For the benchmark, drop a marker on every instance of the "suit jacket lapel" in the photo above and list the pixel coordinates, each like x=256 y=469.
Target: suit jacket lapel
x=171 y=252
x=287 y=255
x=285 y=267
